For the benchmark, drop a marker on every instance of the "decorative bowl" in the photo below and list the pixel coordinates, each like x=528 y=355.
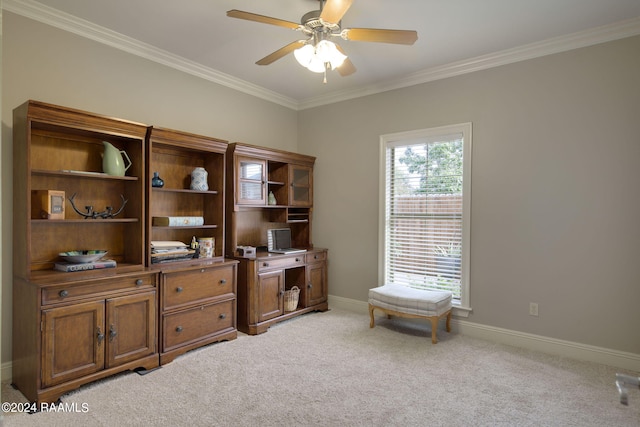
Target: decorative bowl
x=82 y=257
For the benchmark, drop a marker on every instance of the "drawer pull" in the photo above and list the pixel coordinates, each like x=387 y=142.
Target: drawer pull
x=222 y=316
x=112 y=333
x=315 y=257
x=139 y=282
x=99 y=336
x=223 y=281
x=297 y=259
x=202 y=270
x=179 y=289
x=63 y=293
x=179 y=329
x=265 y=264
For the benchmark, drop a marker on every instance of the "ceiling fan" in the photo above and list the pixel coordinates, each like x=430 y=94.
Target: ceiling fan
x=317 y=52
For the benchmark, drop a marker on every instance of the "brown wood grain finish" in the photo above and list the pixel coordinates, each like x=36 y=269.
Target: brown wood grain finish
x=197 y=286
x=72 y=346
x=74 y=291
x=188 y=326
x=73 y=328
x=174 y=155
x=130 y=328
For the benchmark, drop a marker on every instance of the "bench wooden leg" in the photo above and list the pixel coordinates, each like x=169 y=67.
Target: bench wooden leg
x=434 y=329
x=372 y=321
x=449 y=321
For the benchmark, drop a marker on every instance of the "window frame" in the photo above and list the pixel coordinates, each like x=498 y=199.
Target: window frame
x=463 y=307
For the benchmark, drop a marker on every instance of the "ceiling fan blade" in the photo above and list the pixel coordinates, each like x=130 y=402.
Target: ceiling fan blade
x=346 y=68
x=262 y=19
x=380 y=36
x=281 y=52
x=334 y=10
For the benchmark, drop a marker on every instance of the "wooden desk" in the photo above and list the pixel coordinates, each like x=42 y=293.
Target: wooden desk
x=263 y=280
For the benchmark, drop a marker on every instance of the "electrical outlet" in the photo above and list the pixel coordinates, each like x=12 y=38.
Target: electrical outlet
x=533 y=309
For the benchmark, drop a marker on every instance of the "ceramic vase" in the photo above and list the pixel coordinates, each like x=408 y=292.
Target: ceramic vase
x=199 y=179
x=156 y=181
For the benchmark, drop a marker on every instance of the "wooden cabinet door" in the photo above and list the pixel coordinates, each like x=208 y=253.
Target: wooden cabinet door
x=270 y=295
x=317 y=291
x=130 y=328
x=73 y=341
x=301 y=183
x=251 y=181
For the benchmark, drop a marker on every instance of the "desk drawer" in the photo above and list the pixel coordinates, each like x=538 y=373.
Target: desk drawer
x=279 y=263
x=197 y=323
x=316 y=257
x=189 y=287
x=100 y=288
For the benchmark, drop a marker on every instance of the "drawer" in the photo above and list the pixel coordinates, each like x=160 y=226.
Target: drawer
x=185 y=288
x=201 y=322
x=280 y=263
x=97 y=288
x=316 y=256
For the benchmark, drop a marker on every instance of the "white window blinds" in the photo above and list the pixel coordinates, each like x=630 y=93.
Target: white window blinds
x=424 y=211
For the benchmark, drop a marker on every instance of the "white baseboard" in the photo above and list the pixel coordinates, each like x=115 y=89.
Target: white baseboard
x=6 y=370
x=605 y=356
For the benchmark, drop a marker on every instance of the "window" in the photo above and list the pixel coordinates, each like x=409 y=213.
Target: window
x=425 y=209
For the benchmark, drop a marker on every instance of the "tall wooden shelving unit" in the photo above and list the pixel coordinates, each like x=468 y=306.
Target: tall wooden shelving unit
x=72 y=328
x=197 y=303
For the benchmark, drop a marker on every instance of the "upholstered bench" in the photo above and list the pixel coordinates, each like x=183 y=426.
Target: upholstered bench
x=403 y=301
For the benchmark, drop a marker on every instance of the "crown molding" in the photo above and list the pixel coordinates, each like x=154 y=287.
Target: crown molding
x=39 y=12
x=47 y=15
x=597 y=35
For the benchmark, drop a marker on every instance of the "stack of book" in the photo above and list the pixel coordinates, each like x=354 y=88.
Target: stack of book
x=74 y=266
x=167 y=251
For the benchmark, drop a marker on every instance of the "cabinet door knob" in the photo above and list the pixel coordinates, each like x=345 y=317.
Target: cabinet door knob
x=202 y=270
x=281 y=292
x=139 y=282
x=223 y=281
x=315 y=257
x=99 y=336
x=309 y=285
x=112 y=333
x=222 y=316
x=63 y=293
x=179 y=289
x=179 y=329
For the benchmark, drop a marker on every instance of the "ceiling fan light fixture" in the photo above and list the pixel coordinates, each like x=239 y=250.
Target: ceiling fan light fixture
x=304 y=54
x=316 y=65
x=315 y=57
x=328 y=52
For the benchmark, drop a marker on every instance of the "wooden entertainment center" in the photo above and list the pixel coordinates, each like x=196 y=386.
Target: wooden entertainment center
x=72 y=328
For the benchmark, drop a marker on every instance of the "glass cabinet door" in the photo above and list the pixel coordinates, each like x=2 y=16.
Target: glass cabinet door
x=251 y=182
x=301 y=193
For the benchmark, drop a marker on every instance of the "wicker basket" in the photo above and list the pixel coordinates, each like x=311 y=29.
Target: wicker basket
x=291 y=299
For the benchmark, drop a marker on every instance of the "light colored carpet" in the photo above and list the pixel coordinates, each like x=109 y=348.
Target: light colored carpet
x=331 y=369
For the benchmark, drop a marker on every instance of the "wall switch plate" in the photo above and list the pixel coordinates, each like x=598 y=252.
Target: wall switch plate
x=533 y=309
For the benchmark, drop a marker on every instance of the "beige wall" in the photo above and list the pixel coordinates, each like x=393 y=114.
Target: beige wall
x=46 y=64
x=556 y=203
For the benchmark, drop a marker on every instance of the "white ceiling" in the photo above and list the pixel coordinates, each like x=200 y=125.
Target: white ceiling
x=454 y=36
